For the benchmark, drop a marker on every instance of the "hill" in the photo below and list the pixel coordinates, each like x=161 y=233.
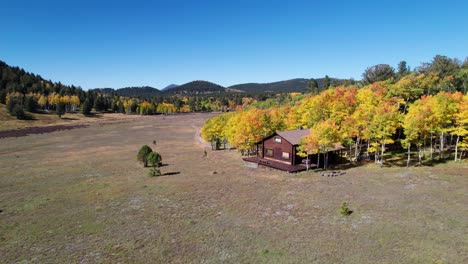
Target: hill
x=170 y=86
x=294 y=85
x=196 y=87
x=288 y=86
x=139 y=92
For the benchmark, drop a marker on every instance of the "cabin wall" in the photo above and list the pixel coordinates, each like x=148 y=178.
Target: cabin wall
x=278 y=148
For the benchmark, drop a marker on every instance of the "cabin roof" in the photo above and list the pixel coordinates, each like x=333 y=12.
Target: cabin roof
x=294 y=136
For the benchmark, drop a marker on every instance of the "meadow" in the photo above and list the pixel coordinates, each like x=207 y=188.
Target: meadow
x=80 y=196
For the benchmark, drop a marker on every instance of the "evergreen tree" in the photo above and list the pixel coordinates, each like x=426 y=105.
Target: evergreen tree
x=86 y=108
x=326 y=82
x=143 y=153
x=30 y=104
x=60 y=109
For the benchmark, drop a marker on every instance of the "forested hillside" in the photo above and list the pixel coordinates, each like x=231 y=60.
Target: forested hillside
x=421 y=110
x=299 y=85
x=196 y=87
x=143 y=92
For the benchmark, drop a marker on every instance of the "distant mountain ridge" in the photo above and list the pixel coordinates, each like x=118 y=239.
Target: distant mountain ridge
x=196 y=87
x=170 y=86
x=141 y=92
x=205 y=87
x=287 y=86
x=293 y=85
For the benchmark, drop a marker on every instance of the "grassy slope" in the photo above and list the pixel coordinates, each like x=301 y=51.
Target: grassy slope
x=80 y=196
x=8 y=122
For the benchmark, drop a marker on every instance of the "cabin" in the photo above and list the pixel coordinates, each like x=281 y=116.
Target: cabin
x=279 y=151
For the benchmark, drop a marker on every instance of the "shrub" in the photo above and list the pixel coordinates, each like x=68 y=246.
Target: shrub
x=154 y=159
x=30 y=104
x=143 y=153
x=344 y=209
x=18 y=112
x=86 y=108
x=154 y=172
x=60 y=109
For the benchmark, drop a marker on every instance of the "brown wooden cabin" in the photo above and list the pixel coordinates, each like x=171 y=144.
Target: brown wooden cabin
x=279 y=151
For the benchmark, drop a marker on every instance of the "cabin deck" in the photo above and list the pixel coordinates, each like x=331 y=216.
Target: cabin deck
x=277 y=165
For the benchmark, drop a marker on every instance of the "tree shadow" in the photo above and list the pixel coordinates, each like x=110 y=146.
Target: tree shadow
x=170 y=173
x=94 y=115
x=69 y=118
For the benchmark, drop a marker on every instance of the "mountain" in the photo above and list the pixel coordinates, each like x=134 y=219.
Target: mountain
x=196 y=87
x=293 y=85
x=140 y=92
x=288 y=86
x=170 y=86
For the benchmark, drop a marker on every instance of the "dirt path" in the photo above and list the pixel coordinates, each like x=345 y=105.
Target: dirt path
x=198 y=137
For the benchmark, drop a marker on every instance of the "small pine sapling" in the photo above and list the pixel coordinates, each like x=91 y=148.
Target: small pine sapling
x=143 y=153
x=344 y=209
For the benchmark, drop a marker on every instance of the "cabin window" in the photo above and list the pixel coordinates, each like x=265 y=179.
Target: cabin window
x=285 y=155
x=278 y=140
x=269 y=152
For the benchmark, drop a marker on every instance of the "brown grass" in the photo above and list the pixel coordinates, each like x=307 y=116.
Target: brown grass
x=80 y=196
x=8 y=122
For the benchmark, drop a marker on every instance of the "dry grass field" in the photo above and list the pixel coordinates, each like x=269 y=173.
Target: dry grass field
x=80 y=196
x=8 y=122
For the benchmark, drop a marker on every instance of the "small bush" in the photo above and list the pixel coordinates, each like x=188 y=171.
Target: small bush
x=143 y=153
x=154 y=172
x=344 y=209
x=60 y=109
x=154 y=159
x=86 y=108
x=18 y=112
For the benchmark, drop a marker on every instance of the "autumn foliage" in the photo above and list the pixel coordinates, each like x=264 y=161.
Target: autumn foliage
x=366 y=120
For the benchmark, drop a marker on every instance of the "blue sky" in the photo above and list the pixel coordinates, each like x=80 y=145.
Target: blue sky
x=134 y=43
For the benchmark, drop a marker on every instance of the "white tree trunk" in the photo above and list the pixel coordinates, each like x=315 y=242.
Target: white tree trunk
x=456 y=147
x=409 y=155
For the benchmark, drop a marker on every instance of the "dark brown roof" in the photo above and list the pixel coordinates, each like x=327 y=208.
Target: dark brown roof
x=294 y=136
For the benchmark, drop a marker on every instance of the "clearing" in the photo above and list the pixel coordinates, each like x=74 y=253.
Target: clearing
x=80 y=196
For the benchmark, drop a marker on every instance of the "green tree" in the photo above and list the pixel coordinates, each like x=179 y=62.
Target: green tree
x=403 y=69
x=100 y=104
x=443 y=66
x=154 y=161
x=143 y=153
x=86 y=108
x=326 y=82
x=60 y=109
x=30 y=104
x=312 y=86
x=377 y=73
x=18 y=112
x=462 y=76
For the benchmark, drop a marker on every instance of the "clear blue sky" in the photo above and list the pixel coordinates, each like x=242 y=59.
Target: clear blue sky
x=134 y=43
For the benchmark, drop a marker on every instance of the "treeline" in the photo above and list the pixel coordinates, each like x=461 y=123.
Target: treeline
x=424 y=110
x=21 y=90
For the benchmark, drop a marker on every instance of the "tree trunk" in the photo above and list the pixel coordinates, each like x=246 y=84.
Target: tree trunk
x=409 y=155
x=441 y=154
x=326 y=161
x=431 y=147
x=456 y=147
x=356 y=149
x=382 y=158
x=424 y=147
x=367 y=148
x=419 y=154
x=318 y=160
